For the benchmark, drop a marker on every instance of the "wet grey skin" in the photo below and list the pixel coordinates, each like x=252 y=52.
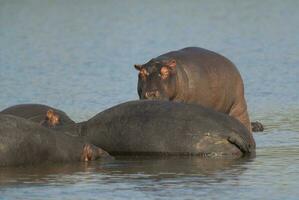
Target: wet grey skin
x=195 y=75
x=23 y=142
x=148 y=127
x=37 y=113
x=142 y=127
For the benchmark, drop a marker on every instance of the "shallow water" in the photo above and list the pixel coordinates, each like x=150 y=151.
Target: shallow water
x=78 y=56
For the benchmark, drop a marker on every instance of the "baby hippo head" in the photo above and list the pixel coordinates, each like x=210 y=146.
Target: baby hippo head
x=157 y=80
x=91 y=152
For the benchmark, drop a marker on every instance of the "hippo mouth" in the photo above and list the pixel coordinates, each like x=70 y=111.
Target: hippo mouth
x=157 y=98
x=155 y=95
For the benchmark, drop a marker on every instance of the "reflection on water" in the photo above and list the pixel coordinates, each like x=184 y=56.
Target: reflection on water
x=156 y=177
x=125 y=175
x=281 y=119
x=78 y=56
x=134 y=167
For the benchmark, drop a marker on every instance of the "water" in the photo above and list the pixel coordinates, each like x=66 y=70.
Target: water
x=78 y=56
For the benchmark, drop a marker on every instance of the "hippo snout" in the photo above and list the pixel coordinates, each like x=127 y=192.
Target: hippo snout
x=152 y=94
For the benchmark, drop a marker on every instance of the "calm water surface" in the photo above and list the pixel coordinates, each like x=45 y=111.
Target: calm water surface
x=78 y=56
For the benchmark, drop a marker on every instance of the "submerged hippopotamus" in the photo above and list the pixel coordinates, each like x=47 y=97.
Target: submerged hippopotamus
x=195 y=75
x=45 y=115
x=24 y=142
x=162 y=127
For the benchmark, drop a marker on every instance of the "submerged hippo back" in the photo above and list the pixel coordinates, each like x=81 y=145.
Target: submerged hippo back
x=23 y=142
x=36 y=113
x=167 y=127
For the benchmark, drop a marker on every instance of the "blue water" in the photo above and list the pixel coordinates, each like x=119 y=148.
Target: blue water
x=78 y=56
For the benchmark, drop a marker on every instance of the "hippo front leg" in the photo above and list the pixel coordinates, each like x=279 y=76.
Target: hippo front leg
x=239 y=112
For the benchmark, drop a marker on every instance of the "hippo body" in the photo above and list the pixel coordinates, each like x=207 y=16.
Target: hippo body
x=23 y=142
x=37 y=113
x=162 y=127
x=198 y=76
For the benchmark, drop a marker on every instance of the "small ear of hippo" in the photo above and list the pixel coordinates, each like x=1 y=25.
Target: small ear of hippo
x=91 y=152
x=86 y=153
x=51 y=119
x=138 y=67
x=171 y=63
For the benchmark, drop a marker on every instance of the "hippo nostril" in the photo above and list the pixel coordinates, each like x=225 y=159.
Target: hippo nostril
x=157 y=94
x=148 y=94
x=151 y=94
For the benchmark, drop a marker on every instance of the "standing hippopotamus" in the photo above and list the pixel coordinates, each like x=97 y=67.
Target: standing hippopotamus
x=195 y=75
x=163 y=127
x=24 y=142
x=43 y=114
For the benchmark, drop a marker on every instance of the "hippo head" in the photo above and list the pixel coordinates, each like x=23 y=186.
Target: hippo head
x=157 y=80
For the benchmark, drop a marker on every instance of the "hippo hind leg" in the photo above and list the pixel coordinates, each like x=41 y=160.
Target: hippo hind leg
x=239 y=112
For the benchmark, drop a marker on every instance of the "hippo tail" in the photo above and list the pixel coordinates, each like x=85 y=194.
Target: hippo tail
x=257 y=126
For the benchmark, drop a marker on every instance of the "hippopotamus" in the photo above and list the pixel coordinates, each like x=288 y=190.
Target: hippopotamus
x=163 y=127
x=45 y=115
x=23 y=142
x=195 y=75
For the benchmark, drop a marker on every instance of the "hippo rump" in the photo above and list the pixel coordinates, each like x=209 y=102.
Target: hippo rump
x=47 y=116
x=198 y=76
x=163 y=127
x=24 y=142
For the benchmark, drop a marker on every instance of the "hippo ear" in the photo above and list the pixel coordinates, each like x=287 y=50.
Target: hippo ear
x=138 y=67
x=171 y=64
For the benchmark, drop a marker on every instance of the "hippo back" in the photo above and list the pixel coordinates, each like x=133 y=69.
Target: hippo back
x=36 y=113
x=146 y=126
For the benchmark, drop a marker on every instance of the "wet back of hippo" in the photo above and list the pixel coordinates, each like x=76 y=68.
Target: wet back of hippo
x=37 y=113
x=162 y=127
x=195 y=75
x=23 y=142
